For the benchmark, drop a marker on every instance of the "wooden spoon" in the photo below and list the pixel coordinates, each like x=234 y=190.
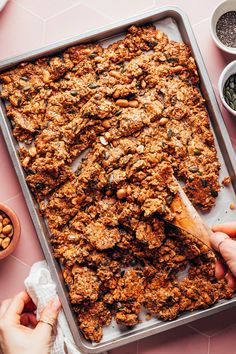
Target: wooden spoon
x=188 y=219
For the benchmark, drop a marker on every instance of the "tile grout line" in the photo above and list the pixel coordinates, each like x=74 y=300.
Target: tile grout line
x=27 y=10
x=222 y=330
x=62 y=11
x=199 y=22
x=209 y=345
x=197 y=331
x=98 y=11
x=12 y=198
x=20 y=261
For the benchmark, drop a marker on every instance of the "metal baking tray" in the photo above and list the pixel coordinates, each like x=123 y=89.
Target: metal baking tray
x=114 y=337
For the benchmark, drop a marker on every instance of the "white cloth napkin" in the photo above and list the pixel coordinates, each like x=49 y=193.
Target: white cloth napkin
x=41 y=289
x=2 y=4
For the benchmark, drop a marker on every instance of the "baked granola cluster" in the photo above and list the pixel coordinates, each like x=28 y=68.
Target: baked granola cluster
x=137 y=106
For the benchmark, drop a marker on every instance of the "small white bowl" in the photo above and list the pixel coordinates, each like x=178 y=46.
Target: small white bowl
x=229 y=70
x=221 y=9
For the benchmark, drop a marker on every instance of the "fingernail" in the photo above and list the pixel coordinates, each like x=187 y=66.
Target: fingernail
x=56 y=304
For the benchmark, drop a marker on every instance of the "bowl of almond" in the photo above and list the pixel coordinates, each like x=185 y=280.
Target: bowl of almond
x=9 y=231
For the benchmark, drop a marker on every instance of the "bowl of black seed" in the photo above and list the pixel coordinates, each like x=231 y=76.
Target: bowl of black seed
x=227 y=87
x=223 y=26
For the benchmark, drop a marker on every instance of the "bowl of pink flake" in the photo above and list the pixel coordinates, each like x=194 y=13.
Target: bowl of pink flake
x=223 y=26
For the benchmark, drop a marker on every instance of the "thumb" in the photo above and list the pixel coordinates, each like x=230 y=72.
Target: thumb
x=47 y=320
x=227 y=247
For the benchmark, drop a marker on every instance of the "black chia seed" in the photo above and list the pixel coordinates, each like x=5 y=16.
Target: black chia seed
x=226 y=29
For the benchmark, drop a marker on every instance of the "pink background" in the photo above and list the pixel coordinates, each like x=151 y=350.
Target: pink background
x=30 y=24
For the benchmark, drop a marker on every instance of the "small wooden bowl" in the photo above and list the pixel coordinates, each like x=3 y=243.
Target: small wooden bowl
x=16 y=230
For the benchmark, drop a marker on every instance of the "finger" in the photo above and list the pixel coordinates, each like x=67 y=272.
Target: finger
x=217 y=239
x=220 y=270
x=227 y=247
x=4 y=306
x=16 y=306
x=49 y=318
x=28 y=319
x=231 y=280
x=228 y=228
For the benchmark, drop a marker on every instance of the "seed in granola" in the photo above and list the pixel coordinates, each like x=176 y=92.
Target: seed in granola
x=173 y=100
x=232 y=206
x=118 y=112
x=133 y=262
x=193 y=169
x=197 y=152
x=152 y=44
x=169 y=199
x=92 y=55
x=74 y=93
x=92 y=85
x=39 y=186
x=214 y=193
x=204 y=183
x=169 y=133
x=24 y=78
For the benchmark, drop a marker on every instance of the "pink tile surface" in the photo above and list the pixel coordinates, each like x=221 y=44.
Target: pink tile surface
x=215 y=324
x=7 y=175
x=223 y=343
x=120 y=9
x=82 y=19
x=12 y=275
x=177 y=341
x=196 y=10
x=46 y=8
x=14 y=36
x=131 y=348
x=29 y=24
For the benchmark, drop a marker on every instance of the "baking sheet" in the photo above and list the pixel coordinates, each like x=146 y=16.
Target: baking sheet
x=114 y=335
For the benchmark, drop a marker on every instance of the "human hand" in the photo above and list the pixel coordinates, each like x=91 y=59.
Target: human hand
x=15 y=335
x=223 y=241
